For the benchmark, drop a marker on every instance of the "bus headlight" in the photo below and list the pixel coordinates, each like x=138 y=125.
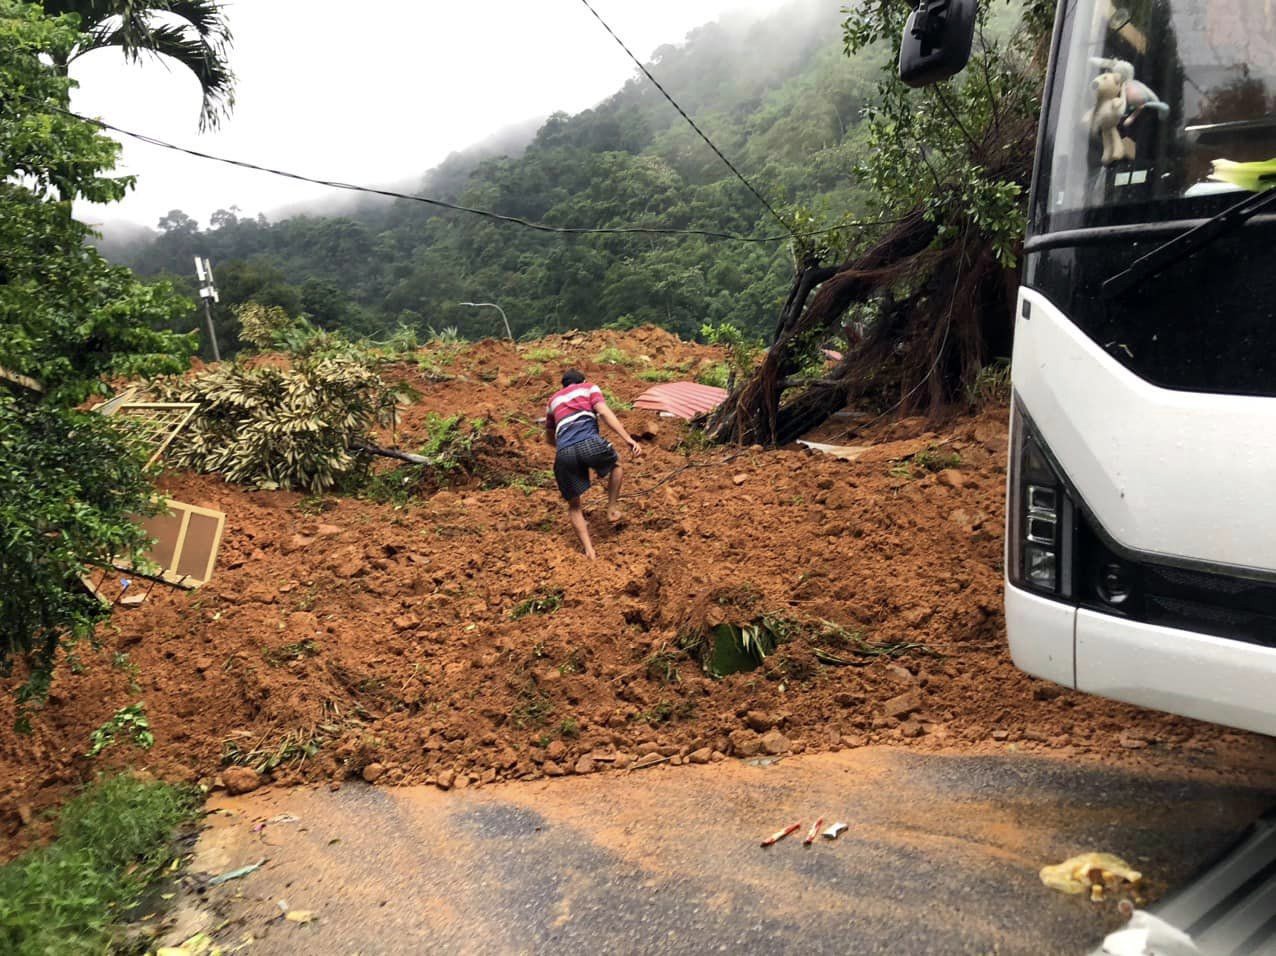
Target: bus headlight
x=1039 y=542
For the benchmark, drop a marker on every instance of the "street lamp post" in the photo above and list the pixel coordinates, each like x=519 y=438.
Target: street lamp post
x=493 y=305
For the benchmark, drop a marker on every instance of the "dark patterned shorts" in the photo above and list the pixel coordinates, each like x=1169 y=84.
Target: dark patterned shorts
x=572 y=465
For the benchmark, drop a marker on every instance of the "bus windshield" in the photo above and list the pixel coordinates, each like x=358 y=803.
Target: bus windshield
x=1157 y=110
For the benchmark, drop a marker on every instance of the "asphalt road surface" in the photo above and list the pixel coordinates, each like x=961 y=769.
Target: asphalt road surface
x=941 y=856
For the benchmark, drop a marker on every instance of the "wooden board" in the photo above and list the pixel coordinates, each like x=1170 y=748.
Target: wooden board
x=187 y=539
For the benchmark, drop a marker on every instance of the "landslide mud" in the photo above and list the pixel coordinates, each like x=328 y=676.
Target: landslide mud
x=344 y=637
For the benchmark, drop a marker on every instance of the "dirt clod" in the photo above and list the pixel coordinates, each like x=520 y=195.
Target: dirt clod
x=373 y=772
x=759 y=721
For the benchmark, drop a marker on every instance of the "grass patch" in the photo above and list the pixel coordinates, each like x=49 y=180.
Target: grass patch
x=574 y=664
x=545 y=601
x=662 y=666
x=613 y=356
x=926 y=461
x=542 y=353
x=569 y=729
x=991 y=385
x=113 y=842
x=657 y=374
x=276 y=656
x=533 y=708
x=618 y=403
x=528 y=482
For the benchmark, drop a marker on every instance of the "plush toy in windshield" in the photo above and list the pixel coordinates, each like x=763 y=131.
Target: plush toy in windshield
x=1106 y=116
x=1119 y=101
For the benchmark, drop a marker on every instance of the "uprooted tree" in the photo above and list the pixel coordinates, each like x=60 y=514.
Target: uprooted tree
x=927 y=303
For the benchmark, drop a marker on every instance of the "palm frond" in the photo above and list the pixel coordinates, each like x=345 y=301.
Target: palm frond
x=194 y=33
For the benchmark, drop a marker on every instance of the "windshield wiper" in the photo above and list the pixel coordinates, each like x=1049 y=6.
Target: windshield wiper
x=1166 y=254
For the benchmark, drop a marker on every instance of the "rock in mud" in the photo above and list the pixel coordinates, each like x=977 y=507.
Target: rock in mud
x=297 y=542
x=551 y=769
x=373 y=772
x=744 y=743
x=951 y=478
x=556 y=750
x=759 y=721
x=910 y=728
x=703 y=755
x=622 y=760
x=240 y=780
x=902 y=705
x=776 y=743
x=446 y=779
x=584 y=765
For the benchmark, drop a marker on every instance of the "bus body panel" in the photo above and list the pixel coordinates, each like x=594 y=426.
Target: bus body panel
x=1041 y=636
x=1179 y=475
x=1196 y=675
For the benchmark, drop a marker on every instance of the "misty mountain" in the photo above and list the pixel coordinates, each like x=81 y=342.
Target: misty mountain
x=775 y=94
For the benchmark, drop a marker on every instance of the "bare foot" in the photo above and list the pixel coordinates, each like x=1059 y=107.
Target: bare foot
x=615 y=516
x=591 y=554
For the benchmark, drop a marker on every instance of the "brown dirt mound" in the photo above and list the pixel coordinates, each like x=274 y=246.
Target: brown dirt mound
x=342 y=634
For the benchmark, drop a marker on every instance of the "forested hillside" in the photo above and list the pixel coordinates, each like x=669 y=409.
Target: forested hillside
x=778 y=96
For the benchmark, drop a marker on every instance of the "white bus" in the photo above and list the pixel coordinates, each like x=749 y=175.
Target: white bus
x=1141 y=521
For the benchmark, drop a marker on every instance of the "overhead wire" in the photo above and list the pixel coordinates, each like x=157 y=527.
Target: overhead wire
x=457 y=207
x=692 y=123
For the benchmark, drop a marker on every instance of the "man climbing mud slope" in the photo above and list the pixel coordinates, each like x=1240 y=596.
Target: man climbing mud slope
x=571 y=426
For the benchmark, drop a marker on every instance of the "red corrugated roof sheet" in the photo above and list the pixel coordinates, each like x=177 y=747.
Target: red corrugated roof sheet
x=684 y=399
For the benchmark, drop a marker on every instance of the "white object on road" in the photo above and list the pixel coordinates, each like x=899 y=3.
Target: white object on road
x=1147 y=935
x=835 y=831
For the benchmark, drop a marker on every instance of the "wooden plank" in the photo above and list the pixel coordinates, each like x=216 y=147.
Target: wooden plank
x=22 y=381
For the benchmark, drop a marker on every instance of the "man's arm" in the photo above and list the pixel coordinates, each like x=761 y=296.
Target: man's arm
x=607 y=415
x=550 y=438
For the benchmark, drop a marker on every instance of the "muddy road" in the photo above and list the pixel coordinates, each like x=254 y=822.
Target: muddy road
x=941 y=856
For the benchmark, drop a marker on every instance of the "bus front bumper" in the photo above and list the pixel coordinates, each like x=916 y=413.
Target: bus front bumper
x=1196 y=675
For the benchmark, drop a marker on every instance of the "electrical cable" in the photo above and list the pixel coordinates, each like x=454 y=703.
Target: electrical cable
x=692 y=123
x=455 y=207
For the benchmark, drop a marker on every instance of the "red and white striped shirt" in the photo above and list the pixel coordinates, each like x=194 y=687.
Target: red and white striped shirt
x=572 y=410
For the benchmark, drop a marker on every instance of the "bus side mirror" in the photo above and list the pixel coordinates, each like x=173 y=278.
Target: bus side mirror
x=937 y=41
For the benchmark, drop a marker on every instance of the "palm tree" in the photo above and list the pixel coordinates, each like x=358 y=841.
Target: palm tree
x=193 y=33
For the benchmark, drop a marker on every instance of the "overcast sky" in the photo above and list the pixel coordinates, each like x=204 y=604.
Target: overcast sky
x=372 y=92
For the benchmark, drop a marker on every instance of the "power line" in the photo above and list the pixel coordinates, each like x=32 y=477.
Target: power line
x=455 y=207
x=683 y=113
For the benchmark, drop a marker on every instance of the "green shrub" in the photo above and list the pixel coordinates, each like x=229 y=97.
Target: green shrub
x=79 y=512
x=718 y=375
